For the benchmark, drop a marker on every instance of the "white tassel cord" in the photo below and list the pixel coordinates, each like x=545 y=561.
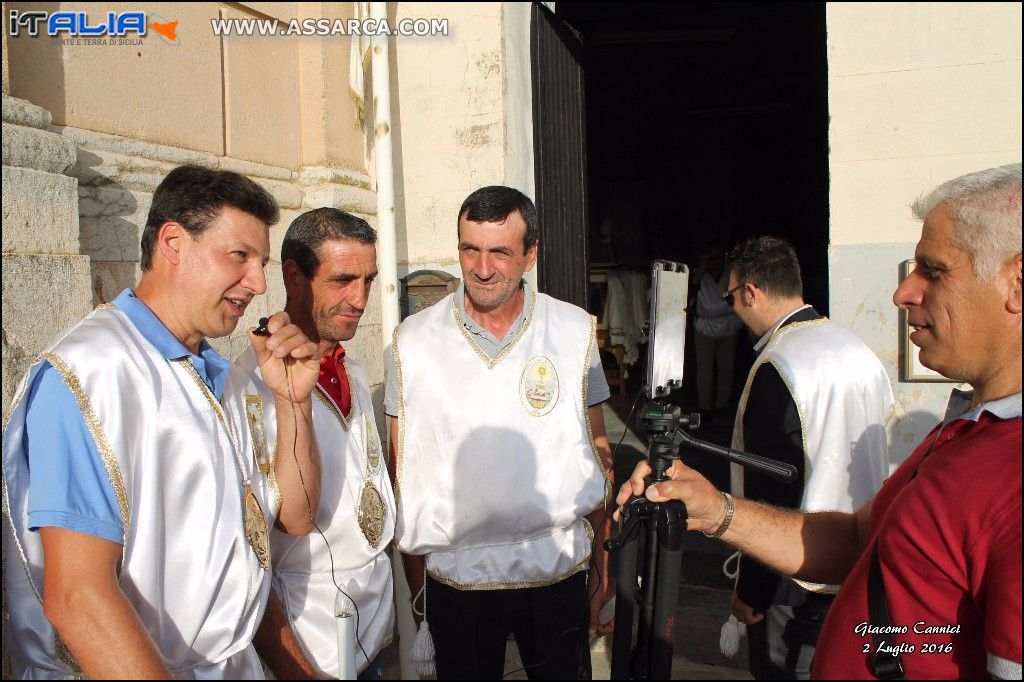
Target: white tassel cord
x=423 y=652
x=729 y=641
x=732 y=574
x=423 y=647
x=732 y=629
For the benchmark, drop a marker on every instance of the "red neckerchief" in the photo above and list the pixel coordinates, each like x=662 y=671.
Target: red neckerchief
x=334 y=379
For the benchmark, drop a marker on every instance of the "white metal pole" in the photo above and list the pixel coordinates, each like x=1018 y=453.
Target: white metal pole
x=387 y=265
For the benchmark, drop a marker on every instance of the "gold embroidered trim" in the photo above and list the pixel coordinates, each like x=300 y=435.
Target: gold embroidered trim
x=818 y=588
x=255 y=417
x=64 y=654
x=891 y=416
x=60 y=649
x=592 y=341
x=254 y=520
x=102 y=444
x=205 y=390
x=779 y=333
x=786 y=328
x=491 y=362
x=800 y=413
x=397 y=358
x=741 y=409
x=113 y=472
x=328 y=402
x=371 y=513
x=219 y=410
x=521 y=584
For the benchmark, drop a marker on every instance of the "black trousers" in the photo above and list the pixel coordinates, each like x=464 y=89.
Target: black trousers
x=550 y=624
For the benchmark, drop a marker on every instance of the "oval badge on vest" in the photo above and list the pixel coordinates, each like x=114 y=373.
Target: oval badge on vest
x=538 y=387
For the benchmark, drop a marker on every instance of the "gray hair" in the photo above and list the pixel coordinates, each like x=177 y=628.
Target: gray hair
x=986 y=211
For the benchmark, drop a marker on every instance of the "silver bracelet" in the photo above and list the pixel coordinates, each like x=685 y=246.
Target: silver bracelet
x=730 y=509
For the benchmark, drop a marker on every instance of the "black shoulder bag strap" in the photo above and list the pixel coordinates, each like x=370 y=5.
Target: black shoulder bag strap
x=884 y=664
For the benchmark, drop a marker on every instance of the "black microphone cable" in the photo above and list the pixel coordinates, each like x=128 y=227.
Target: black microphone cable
x=312 y=516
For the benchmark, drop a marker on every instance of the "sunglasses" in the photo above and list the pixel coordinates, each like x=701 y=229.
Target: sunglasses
x=729 y=297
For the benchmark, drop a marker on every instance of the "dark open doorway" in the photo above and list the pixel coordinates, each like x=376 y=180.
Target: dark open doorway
x=707 y=121
x=704 y=122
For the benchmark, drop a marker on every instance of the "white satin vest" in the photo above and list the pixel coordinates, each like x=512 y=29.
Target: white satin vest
x=170 y=450
x=351 y=456
x=844 y=400
x=497 y=467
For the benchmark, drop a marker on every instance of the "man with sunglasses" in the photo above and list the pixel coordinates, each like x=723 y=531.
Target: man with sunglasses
x=816 y=398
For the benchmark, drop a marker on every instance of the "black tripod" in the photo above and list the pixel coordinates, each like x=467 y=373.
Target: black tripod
x=654 y=532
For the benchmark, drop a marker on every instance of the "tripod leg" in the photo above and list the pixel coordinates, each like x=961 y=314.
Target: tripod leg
x=649 y=549
x=625 y=603
x=671 y=526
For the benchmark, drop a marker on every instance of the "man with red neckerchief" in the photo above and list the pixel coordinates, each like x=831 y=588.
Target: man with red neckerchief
x=329 y=262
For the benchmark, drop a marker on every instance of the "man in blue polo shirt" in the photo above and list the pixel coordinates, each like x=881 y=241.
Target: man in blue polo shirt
x=139 y=499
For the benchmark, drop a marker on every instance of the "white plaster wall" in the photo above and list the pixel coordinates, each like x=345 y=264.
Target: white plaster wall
x=463 y=118
x=918 y=93
x=519 y=160
x=518 y=80
x=448 y=106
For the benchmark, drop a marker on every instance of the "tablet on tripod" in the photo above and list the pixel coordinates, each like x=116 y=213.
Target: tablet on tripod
x=670 y=284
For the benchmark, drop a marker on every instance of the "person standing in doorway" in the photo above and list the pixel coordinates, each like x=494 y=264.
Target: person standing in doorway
x=715 y=333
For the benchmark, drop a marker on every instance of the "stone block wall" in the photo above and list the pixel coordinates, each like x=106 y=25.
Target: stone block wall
x=86 y=225
x=46 y=277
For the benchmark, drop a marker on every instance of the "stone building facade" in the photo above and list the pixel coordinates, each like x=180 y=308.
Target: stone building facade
x=918 y=93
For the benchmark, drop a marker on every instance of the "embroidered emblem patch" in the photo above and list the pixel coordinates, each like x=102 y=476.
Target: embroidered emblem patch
x=538 y=386
x=256 y=528
x=254 y=417
x=371 y=514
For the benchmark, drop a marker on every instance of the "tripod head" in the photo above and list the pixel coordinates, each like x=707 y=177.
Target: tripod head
x=667 y=428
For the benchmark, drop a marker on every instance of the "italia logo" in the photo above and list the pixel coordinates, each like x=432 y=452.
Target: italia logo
x=81 y=25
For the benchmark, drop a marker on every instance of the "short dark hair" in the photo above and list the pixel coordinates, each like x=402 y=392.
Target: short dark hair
x=313 y=228
x=768 y=262
x=193 y=195
x=495 y=203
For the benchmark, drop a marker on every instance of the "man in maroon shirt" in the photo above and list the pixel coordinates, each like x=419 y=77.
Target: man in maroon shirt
x=946 y=526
